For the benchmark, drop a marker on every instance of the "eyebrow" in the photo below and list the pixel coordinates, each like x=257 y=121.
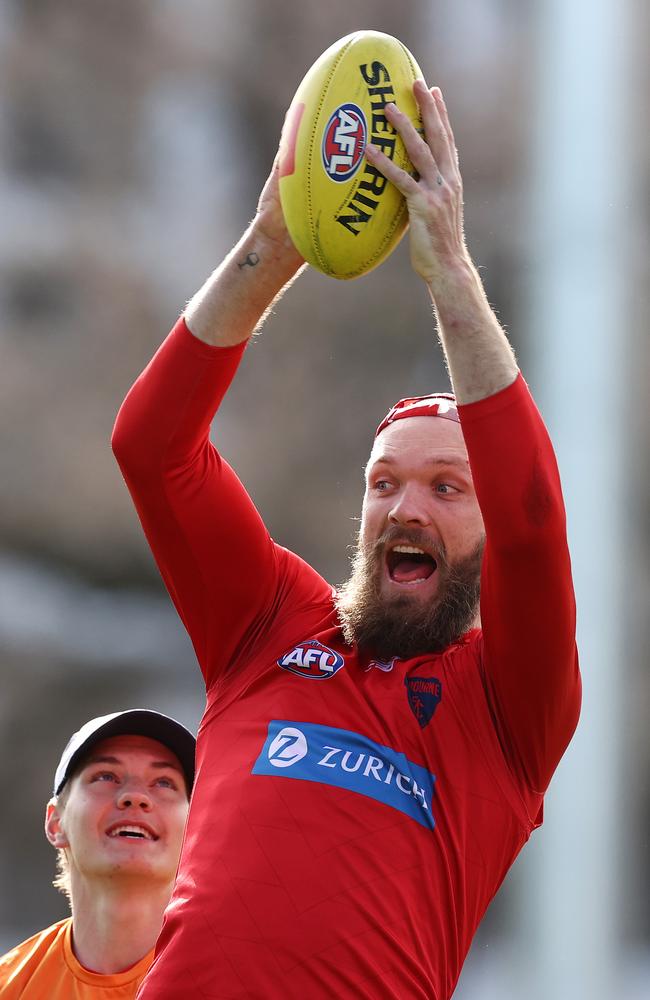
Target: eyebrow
x=107 y=759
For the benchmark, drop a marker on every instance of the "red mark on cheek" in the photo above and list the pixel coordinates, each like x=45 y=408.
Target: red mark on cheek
x=287 y=163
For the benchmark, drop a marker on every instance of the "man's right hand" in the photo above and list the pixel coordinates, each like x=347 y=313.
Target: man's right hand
x=236 y=297
x=269 y=220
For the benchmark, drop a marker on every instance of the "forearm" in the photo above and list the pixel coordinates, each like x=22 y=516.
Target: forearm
x=479 y=357
x=235 y=299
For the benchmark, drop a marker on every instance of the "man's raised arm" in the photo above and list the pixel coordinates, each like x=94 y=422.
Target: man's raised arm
x=527 y=602
x=211 y=546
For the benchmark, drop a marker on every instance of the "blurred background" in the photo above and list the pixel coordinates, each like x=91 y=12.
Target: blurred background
x=134 y=139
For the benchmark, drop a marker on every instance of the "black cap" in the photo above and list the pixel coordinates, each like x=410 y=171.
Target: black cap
x=136 y=722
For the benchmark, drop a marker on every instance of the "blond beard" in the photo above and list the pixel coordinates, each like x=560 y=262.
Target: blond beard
x=403 y=626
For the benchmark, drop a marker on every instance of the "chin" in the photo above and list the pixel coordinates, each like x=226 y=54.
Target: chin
x=395 y=594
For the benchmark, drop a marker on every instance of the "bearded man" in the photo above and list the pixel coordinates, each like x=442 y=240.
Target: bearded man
x=369 y=763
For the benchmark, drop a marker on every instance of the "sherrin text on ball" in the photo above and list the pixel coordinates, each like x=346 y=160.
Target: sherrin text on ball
x=342 y=214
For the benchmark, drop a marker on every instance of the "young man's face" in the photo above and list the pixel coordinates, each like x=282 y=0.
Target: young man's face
x=414 y=586
x=123 y=812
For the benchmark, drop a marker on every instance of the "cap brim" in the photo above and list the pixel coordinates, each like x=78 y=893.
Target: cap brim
x=135 y=721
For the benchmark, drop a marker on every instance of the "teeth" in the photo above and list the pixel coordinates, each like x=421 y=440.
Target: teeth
x=409 y=550
x=130 y=831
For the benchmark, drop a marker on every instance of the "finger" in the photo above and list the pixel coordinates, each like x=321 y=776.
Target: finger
x=436 y=93
x=435 y=131
x=402 y=180
x=419 y=151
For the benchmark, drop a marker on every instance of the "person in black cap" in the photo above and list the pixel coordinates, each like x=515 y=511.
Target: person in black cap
x=116 y=818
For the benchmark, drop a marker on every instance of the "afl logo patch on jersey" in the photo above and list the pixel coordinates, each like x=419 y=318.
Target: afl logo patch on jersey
x=424 y=694
x=344 y=141
x=311 y=659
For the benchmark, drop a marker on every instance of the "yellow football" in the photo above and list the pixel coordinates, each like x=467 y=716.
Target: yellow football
x=343 y=216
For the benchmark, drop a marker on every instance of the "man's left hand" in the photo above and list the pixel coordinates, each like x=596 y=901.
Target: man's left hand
x=435 y=196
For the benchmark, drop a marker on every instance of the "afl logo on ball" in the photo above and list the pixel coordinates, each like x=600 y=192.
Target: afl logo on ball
x=344 y=141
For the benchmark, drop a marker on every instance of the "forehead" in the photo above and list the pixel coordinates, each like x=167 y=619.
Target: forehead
x=131 y=745
x=427 y=437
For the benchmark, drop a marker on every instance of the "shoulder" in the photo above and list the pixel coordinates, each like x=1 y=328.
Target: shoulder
x=31 y=952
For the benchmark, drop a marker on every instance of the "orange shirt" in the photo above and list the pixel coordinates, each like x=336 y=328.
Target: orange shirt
x=44 y=968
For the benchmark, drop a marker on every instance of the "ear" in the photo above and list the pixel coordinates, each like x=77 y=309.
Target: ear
x=54 y=830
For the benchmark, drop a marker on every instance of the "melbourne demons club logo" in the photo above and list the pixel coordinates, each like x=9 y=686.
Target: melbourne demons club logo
x=311 y=659
x=344 y=141
x=424 y=694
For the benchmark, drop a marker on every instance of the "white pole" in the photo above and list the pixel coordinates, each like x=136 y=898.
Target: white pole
x=577 y=321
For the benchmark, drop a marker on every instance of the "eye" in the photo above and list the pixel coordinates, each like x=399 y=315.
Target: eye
x=104 y=776
x=381 y=485
x=446 y=489
x=166 y=782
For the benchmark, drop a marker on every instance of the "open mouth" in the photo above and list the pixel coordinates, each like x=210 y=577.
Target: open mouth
x=130 y=831
x=409 y=564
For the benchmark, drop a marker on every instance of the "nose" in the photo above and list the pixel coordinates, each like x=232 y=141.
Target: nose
x=129 y=797
x=412 y=505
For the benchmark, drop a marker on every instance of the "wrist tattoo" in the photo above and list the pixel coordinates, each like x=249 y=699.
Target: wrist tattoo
x=250 y=260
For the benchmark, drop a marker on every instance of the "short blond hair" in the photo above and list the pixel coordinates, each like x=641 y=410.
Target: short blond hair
x=62 y=879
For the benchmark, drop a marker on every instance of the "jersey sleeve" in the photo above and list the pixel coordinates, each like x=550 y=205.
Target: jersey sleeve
x=223 y=572
x=530 y=660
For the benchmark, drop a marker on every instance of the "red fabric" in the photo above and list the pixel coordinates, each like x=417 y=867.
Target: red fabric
x=297 y=889
x=438 y=404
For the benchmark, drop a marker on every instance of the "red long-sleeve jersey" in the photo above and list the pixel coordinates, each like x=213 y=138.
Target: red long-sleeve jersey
x=351 y=819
